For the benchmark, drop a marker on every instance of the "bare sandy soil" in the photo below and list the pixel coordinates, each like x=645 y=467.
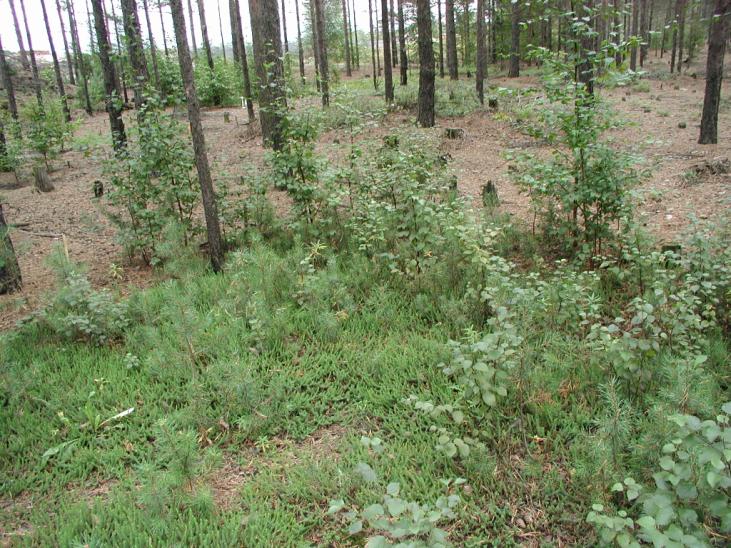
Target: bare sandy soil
x=70 y=214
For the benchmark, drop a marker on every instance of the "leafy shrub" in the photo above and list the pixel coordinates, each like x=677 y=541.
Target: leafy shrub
x=46 y=128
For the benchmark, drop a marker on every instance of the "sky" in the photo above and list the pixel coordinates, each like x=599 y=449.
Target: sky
x=40 y=39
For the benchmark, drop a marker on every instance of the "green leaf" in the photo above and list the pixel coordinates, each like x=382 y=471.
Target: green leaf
x=335 y=506
x=355 y=527
x=373 y=512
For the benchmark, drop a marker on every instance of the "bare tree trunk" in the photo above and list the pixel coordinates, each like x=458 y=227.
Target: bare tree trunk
x=403 y=59
x=394 y=46
x=19 y=37
x=348 y=71
x=355 y=33
x=714 y=71
x=8 y=84
x=426 y=64
x=378 y=42
x=133 y=38
x=681 y=35
x=350 y=34
x=644 y=32
x=162 y=26
x=232 y=10
x=635 y=31
x=33 y=65
x=83 y=75
x=284 y=29
x=220 y=28
x=113 y=106
x=206 y=41
x=300 y=51
x=56 y=65
x=441 y=39
x=121 y=83
x=10 y=278
x=373 y=44
x=91 y=28
x=192 y=29
x=451 y=40
x=481 y=68
x=69 y=59
x=153 y=49
x=494 y=25
x=617 y=31
x=466 y=32
x=269 y=67
x=315 y=47
x=387 y=65
x=514 y=69
x=676 y=21
x=213 y=229
x=241 y=46
x=322 y=53
x=585 y=68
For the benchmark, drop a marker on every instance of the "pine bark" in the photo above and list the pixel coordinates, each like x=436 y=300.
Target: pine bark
x=346 y=40
x=153 y=49
x=481 y=68
x=284 y=29
x=33 y=65
x=238 y=30
x=355 y=32
x=322 y=53
x=135 y=51
x=204 y=35
x=441 y=39
x=69 y=59
x=19 y=37
x=8 y=84
x=451 y=40
x=514 y=68
x=387 y=64
x=644 y=31
x=300 y=51
x=220 y=29
x=635 y=32
x=714 y=71
x=192 y=29
x=403 y=58
x=56 y=65
x=268 y=60
x=373 y=44
x=10 y=278
x=112 y=99
x=394 y=44
x=426 y=64
x=79 y=58
x=162 y=26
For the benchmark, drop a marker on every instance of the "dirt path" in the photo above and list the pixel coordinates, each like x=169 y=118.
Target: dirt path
x=235 y=148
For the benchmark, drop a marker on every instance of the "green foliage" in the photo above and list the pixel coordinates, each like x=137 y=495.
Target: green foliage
x=46 y=129
x=218 y=87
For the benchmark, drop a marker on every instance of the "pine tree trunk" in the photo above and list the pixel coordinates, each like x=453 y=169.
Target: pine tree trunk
x=10 y=279
x=644 y=32
x=676 y=21
x=33 y=65
x=514 y=69
x=213 y=229
x=121 y=82
x=232 y=10
x=269 y=67
x=635 y=32
x=585 y=68
x=284 y=29
x=355 y=32
x=394 y=45
x=714 y=71
x=192 y=29
x=494 y=25
x=8 y=84
x=300 y=51
x=681 y=35
x=69 y=59
x=220 y=28
x=387 y=65
x=378 y=41
x=322 y=53
x=373 y=44
x=451 y=40
x=241 y=46
x=348 y=16
x=315 y=47
x=56 y=65
x=133 y=38
x=153 y=49
x=204 y=37
x=113 y=107
x=403 y=59
x=481 y=68
x=346 y=43
x=79 y=58
x=426 y=64
x=19 y=37
x=90 y=26
x=441 y=39
x=162 y=26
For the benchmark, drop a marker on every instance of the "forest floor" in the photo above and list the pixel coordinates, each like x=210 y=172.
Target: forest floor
x=654 y=112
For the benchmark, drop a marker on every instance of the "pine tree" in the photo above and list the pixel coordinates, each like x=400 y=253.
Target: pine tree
x=481 y=68
x=56 y=65
x=451 y=40
x=322 y=52
x=714 y=71
x=514 y=69
x=19 y=37
x=426 y=64
x=346 y=41
x=403 y=59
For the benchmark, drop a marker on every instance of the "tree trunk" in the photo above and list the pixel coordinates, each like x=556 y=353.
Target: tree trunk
x=213 y=229
x=441 y=39
x=378 y=42
x=451 y=40
x=494 y=25
x=204 y=36
x=133 y=38
x=78 y=56
x=113 y=106
x=19 y=37
x=714 y=71
x=232 y=10
x=162 y=26
x=514 y=69
x=644 y=32
x=373 y=44
x=355 y=33
x=481 y=68
x=69 y=59
x=466 y=33
x=635 y=32
x=394 y=46
x=121 y=83
x=315 y=47
x=350 y=34
x=585 y=69
x=33 y=65
x=92 y=31
x=269 y=67
x=426 y=64
x=346 y=42
x=387 y=65
x=220 y=29
x=56 y=65
x=676 y=21
x=300 y=51
x=241 y=46
x=322 y=52
x=403 y=59
x=8 y=84
x=41 y=181
x=10 y=279
x=192 y=29
x=681 y=36
x=284 y=29
x=153 y=49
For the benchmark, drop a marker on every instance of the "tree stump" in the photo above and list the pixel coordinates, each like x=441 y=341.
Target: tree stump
x=454 y=133
x=10 y=279
x=41 y=179
x=489 y=195
x=227 y=117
